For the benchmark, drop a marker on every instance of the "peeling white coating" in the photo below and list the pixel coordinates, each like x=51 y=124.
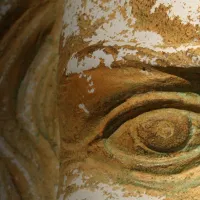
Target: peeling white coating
x=103 y=191
x=93 y=61
x=147 y=60
x=114 y=30
x=129 y=36
x=108 y=59
x=187 y=10
x=148 y=39
x=89 y=78
x=118 y=29
x=184 y=47
x=145 y=72
x=91 y=84
x=70 y=18
x=75 y=171
x=196 y=60
x=78 y=181
x=124 y=52
x=91 y=90
x=83 y=107
x=93 y=11
x=56 y=189
x=74 y=66
x=89 y=62
x=62 y=195
x=107 y=192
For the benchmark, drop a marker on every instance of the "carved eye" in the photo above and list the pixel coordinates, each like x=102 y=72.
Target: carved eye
x=157 y=132
x=165 y=130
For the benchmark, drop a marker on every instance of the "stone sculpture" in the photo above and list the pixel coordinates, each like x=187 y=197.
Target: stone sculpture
x=100 y=99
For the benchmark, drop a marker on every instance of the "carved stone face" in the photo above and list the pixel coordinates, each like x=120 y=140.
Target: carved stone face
x=109 y=108
x=128 y=100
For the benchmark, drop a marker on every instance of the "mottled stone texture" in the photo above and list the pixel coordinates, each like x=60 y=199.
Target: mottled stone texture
x=99 y=99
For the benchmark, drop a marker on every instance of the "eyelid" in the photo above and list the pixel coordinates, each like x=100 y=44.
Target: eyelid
x=154 y=163
x=138 y=104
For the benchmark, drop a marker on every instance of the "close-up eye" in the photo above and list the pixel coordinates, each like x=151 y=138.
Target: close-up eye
x=99 y=100
x=157 y=133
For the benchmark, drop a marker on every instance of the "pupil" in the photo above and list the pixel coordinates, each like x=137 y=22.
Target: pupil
x=163 y=130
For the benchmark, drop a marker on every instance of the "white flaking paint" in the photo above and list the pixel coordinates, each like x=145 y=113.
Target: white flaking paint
x=148 y=39
x=183 y=47
x=147 y=60
x=90 y=91
x=89 y=78
x=62 y=195
x=75 y=171
x=114 y=30
x=107 y=192
x=87 y=63
x=153 y=61
x=119 y=29
x=124 y=52
x=75 y=66
x=82 y=107
x=78 y=181
x=93 y=11
x=56 y=188
x=73 y=9
x=93 y=61
x=145 y=72
x=80 y=75
x=108 y=59
x=70 y=18
x=103 y=191
x=144 y=39
x=91 y=84
x=187 y=11
x=196 y=60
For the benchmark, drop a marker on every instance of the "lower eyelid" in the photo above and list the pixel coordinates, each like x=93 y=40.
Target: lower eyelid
x=155 y=165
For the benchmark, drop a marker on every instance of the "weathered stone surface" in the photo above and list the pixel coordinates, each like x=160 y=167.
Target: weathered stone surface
x=99 y=99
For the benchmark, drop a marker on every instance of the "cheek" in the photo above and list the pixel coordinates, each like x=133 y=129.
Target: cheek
x=84 y=186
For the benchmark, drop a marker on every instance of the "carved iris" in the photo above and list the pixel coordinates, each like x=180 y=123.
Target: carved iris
x=165 y=130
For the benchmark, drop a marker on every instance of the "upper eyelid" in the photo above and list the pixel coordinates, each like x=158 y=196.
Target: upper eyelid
x=157 y=100
x=159 y=82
